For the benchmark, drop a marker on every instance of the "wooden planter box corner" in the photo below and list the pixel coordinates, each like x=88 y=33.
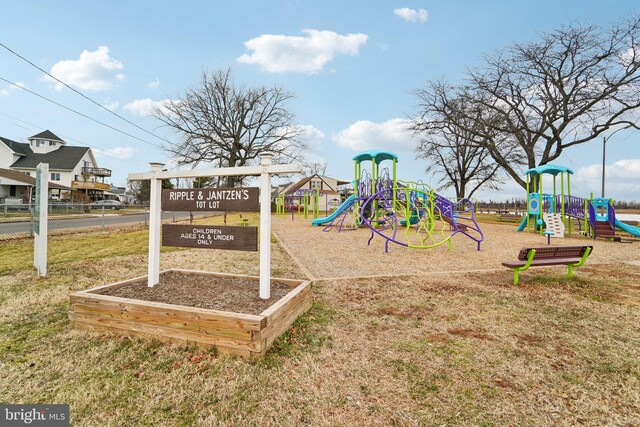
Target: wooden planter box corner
x=236 y=333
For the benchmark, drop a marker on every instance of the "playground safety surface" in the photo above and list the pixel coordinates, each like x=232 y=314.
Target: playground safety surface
x=346 y=254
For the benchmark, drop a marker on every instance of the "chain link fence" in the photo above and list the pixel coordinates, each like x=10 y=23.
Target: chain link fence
x=18 y=220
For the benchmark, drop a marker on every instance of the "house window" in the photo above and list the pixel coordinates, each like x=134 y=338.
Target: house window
x=52 y=144
x=315 y=184
x=76 y=178
x=12 y=191
x=55 y=176
x=39 y=143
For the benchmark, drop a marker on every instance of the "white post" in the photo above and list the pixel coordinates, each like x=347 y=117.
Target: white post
x=42 y=217
x=154 y=226
x=265 y=227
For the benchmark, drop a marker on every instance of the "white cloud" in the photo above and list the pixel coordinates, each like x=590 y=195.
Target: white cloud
x=622 y=169
x=363 y=135
x=412 y=15
x=93 y=71
x=110 y=105
x=144 y=107
x=119 y=152
x=308 y=54
x=629 y=56
x=154 y=84
x=6 y=91
x=622 y=180
x=313 y=137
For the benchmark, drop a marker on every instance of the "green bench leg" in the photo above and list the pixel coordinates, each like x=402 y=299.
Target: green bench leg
x=580 y=263
x=516 y=271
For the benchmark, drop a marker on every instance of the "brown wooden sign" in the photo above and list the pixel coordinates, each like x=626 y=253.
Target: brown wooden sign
x=210 y=237
x=237 y=199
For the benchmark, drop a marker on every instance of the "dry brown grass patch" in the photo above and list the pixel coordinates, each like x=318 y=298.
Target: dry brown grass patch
x=470 y=333
x=424 y=349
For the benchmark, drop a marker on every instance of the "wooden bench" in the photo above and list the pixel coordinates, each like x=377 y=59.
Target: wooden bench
x=571 y=256
x=452 y=225
x=511 y=217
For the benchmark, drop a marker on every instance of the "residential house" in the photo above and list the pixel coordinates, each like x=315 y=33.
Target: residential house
x=121 y=194
x=328 y=189
x=276 y=190
x=16 y=188
x=72 y=167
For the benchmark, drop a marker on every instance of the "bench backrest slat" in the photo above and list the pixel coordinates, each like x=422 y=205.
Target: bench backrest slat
x=554 y=252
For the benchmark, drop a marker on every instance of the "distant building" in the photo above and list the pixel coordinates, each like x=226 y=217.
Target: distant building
x=328 y=188
x=71 y=167
x=278 y=189
x=121 y=194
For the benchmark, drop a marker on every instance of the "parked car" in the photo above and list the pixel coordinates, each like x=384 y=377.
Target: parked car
x=107 y=204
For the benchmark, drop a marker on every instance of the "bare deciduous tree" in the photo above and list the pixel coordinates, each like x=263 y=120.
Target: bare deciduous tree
x=228 y=125
x=543 y=97
x=142 y=189
x=453 y=152
x=314 y=168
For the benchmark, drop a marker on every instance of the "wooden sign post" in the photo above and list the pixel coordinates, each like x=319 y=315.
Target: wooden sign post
x=40 y=240
x=207 y=236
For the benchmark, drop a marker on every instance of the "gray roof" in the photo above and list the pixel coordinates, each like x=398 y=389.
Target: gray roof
x=17 y=147
x=64 y=158
x=47 y=134
x=117 y=190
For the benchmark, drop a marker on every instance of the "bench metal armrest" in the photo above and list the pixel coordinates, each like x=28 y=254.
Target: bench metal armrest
x=579 y=263
x=530 y=255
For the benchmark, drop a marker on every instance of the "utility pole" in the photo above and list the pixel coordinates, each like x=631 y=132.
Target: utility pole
x=604 y=152
x=604 y=164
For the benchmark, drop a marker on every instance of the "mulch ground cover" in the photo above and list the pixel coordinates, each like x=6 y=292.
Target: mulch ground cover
x=235 y=294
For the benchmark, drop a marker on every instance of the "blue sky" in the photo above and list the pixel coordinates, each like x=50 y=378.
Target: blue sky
x=352 y=66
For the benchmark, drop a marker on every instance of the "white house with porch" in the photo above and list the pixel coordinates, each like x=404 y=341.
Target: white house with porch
x=71 y=167
x=16 y=188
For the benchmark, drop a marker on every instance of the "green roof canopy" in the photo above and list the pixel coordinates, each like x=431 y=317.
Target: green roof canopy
x=375 y=156
x=550 y=169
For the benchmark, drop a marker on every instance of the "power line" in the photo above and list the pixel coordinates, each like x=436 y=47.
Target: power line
x=106 y=152
x=83 y=95
x=81 y=114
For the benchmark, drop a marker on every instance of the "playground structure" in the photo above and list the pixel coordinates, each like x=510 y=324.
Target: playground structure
x=304 y=202
x=553 y=214
x=408 y=213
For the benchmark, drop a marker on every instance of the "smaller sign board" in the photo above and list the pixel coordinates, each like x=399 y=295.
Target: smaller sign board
x=210 y=237
x=236 y=199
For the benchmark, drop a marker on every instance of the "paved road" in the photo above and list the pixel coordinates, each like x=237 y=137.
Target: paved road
x=95 y=221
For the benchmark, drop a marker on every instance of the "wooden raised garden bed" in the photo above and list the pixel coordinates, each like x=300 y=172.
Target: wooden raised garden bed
x=249 y=335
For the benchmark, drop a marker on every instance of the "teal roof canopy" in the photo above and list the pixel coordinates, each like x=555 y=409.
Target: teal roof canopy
x=550 y=169
x=375 y=156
